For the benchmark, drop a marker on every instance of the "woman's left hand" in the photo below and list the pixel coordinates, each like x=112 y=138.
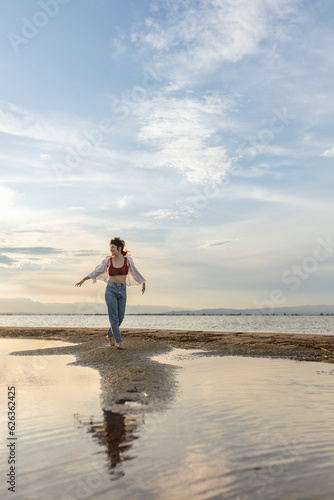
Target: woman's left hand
x=143 y=287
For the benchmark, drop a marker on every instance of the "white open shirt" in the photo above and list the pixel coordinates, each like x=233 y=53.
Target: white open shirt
x=101 y=272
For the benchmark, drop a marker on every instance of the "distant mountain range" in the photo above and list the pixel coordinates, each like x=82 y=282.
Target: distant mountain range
x=28 y=306
x=299 y=310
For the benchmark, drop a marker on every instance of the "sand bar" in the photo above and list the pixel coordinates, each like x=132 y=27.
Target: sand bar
x=128 y=375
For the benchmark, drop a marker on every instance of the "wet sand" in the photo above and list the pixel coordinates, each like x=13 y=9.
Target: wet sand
x=129 y=376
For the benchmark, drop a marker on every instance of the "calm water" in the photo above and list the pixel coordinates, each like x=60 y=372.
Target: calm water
x=244 y=429
x=284 y=324
x=63 y=435
x=239 y=428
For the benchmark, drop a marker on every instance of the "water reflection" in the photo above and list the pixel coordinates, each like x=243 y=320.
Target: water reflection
x=68 y=447
x=115 y=432
x=240 y=428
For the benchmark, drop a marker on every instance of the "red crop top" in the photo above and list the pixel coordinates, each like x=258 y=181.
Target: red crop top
x=118 y=271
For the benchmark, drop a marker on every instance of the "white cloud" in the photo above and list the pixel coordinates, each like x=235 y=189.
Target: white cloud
x=199 y=34
x=7 y=198
x=328 y=153
x=185 y=133
x=40 y=142
x=164 y=213
x=183 y=136
x=54 y=128
x=119 y=47
x=121 y=202
x=19 y=122
x=236 y=192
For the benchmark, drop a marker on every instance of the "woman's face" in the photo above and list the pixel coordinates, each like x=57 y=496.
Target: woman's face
x=113 y=249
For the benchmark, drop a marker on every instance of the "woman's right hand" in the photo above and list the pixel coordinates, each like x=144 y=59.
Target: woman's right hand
x=82 y=281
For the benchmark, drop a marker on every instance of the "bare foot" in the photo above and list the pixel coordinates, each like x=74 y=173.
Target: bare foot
x=109 y=340
x=118 y=345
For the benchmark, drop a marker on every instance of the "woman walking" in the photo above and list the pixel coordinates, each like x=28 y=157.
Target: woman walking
x=117 y=271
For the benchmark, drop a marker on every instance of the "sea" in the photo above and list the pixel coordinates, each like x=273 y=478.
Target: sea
x=321 y=325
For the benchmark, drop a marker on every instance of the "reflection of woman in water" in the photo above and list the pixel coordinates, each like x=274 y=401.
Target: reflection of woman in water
x=116 y=432
x=117 y=271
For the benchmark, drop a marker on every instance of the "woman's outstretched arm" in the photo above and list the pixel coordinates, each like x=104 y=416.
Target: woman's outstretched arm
x=83 y=280
x=100 y=269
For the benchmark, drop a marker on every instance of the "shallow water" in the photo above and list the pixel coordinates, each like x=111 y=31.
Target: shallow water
x=240 y=428
x=60 y=427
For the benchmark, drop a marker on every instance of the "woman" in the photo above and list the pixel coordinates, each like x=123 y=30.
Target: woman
x=117 y=271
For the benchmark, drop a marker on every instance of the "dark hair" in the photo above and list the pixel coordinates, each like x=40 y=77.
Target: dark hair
x=119 y=244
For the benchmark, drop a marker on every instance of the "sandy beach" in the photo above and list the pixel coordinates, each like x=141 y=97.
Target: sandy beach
x=129 y=374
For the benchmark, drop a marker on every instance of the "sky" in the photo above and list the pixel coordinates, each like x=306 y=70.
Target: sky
x=200 y=132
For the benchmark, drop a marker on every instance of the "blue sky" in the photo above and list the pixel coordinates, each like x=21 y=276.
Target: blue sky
x=200 y=132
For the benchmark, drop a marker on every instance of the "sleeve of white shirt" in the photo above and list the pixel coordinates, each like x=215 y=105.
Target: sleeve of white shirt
x=99 y=270
x=134 y=277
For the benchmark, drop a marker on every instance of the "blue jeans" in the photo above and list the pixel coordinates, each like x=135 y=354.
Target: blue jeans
x=115 y=296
